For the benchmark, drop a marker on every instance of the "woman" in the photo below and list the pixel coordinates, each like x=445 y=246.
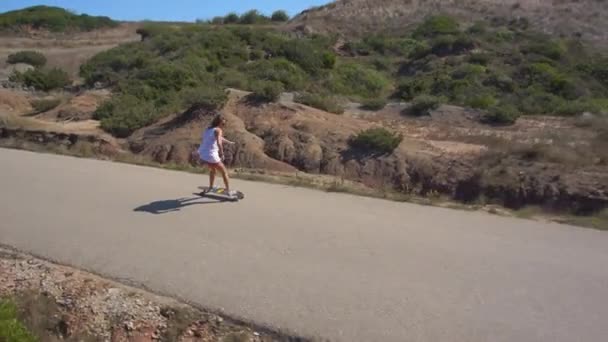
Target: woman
x=211 y=152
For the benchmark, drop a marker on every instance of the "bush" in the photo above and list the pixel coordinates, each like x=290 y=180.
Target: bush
x=355 y=79
x=279 y=70
x=306 y=54
x=44 y=105
x=467 y=71
x=11 y=329
x=231 y=18
x=420 y=50
x=279 y=16
x=501 y=115
x=451 y=45
x=232 y=78
x=539 y=102
x=374 y=104
x=33 y=58
x=547 y=49
x=501 y=82
x=437 y=25
x=326 y=103
x=595 y=106
x=481 y=101
x=479 y=58
x=124 y=114
x=52 y=18
x=479 y=27
x=266 y=91
x=423 y=105
x=328 y=60
x=409 y=89
x=252 y=17
x=209 y=97
x=43 y=80
x=376 y=139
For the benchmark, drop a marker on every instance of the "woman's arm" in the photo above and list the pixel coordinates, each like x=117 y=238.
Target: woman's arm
x=228 y=141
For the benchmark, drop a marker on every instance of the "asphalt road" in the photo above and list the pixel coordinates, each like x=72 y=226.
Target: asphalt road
x=334 y=266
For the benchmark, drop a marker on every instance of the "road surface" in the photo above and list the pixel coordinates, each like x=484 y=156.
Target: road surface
x=334 y=266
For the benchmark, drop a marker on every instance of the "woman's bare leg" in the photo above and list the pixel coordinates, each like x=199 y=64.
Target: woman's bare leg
x=224 y=173
x=211 y=176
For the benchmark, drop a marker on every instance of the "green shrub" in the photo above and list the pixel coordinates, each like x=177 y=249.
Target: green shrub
x=232 y=78
x=357 y=80
x=423 y=105
x=266 y=91
x=326 y=103
x=124 y=114
x=279 y=70
x=550 y=78
x=217 y=20
x=32 y=58
x=252 y=17
x=306 y=54
x=209 y=97
x=231 y=18
x=503 y=35
x=600 y=71
x=468 y=70
x=595 y=106
x=479 y=58
x=501 y=82
x=479 y=27
x=377 y=140
x=539 y=102
x=108 y=67
x=502 y=114
x=11 y=329
x=44 y=80
x=52 y=18
x=409 y=89
x=374 y=104
x=44 y=105
x=420 y=50
x=547 y=49
x=482 y=101
x=329 y=60
x=279 y=16
x=451 y=45
x=437 y=25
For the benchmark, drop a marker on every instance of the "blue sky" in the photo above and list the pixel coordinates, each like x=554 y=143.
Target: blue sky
x=178 y=10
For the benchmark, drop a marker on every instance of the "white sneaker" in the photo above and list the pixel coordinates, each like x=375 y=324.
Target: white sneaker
x=213 y=189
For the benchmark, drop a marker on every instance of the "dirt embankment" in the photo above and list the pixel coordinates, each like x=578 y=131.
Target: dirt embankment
x=58 y=303
x=459 y=159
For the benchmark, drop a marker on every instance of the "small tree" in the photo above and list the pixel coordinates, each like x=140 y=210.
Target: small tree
x=280 y=16
x=250 y=17
x=231 y=18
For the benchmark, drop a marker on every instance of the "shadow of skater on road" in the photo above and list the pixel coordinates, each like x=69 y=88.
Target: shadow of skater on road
x=169 y=206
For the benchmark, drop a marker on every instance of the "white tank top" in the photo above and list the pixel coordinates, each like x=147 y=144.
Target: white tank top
x=209 y=149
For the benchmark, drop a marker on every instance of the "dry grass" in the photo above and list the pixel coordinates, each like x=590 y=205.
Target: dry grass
x=355 y=17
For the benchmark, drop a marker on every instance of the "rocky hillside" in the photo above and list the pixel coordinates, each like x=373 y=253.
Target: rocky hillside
x=570 y=18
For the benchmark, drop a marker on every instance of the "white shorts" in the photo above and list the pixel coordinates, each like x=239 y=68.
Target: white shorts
x=210 y=158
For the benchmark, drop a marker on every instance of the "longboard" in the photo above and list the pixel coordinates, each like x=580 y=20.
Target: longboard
x=220 y=193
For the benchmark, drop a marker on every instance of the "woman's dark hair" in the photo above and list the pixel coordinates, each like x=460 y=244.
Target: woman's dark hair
x=217 y=121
